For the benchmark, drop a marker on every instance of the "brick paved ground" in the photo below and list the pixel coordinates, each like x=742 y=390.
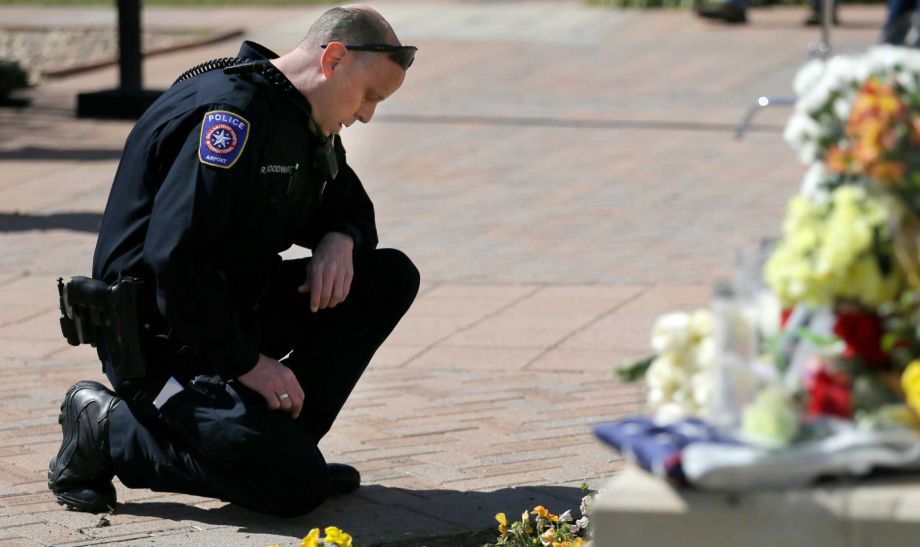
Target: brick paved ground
x=560 y=174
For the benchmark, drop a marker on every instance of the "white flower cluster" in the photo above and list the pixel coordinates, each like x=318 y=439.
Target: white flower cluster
x=680 y=379
x=826 y=91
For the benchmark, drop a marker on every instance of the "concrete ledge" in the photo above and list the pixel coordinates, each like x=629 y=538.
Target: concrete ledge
x=637 y=509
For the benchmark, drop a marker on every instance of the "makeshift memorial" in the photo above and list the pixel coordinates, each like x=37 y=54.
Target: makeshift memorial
x=813 y=361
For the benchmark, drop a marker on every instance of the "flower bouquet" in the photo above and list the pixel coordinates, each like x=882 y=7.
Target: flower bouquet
x=811 y=360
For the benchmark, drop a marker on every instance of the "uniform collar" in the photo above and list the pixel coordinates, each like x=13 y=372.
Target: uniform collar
x=256 y=52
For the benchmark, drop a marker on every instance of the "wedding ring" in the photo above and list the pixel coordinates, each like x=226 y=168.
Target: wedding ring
x=283 y=396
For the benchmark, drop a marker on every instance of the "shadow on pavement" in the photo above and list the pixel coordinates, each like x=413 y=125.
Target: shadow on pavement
x=79 y=222
x=384 y=516
x=55 y=154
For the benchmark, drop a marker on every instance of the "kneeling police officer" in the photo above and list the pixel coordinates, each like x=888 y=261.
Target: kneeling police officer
x=229 y=364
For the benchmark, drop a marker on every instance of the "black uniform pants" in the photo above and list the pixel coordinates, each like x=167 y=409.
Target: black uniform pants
x=220 y=440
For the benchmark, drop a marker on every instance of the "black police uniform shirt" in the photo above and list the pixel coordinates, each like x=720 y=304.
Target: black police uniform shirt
x=217 y=178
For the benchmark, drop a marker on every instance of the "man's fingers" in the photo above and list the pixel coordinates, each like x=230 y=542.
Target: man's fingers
x=338 y=291
x=316 y=291
x=346 y=286
x=328 y=285
x=284 y=399
x=296 y=394
x=272 y=400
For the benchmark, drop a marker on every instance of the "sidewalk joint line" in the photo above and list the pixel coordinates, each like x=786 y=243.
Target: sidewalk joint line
x=642 y=291
x=573 y=123
x=469 y=326
x=26 y=318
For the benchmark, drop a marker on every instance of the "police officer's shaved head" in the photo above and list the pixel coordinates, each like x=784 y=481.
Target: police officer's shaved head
x=350 y=25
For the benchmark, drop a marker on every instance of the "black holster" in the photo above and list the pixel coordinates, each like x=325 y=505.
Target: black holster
x=94 y=311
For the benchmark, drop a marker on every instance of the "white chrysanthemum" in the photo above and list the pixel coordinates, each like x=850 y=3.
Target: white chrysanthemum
x=842 y=73
x=801 y=128
x=671 y=333
x=907 y=81
x=842 y=107
x=808 y=152
x=814 y=99
x=808 y=76
x=884 y=58
x=812 y=184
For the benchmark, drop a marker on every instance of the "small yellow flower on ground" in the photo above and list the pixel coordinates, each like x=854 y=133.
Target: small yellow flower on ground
x=311 y=539
x=502 y=523
x=541 y=512
x=337 y=537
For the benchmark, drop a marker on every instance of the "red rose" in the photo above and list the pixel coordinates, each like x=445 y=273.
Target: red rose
x=830 y=395
x=784 y=317
x=862 y=333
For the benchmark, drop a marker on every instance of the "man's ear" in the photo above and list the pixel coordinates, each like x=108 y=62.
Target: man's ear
x=333 y=55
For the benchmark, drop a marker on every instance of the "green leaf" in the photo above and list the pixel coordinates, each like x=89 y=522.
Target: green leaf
x=816 y=339
x=635 y=371
x=889 y=340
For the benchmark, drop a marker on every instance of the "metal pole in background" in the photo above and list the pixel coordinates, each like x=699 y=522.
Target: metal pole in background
x=130 y=99
x=129 y=45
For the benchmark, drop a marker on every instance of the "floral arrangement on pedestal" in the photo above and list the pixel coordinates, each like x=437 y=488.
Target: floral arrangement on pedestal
x=830 y=328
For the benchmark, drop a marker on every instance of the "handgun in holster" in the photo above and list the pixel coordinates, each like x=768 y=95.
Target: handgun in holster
x=94 y=311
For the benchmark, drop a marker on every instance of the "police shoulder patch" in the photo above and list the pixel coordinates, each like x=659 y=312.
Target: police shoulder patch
x=223 y=137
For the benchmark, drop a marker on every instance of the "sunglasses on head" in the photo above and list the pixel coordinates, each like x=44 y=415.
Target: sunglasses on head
x=401 y=55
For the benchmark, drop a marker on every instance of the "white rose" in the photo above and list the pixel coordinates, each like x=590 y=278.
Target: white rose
x=703 y=388
x=701 y=324
x=664 y=377
x=706 y=354
x=671 y=333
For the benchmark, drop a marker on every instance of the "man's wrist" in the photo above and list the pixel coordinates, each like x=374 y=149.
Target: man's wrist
x=343 y=236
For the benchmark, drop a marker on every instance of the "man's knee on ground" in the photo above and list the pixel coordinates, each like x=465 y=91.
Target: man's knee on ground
x=291 y=488
x=398 y=274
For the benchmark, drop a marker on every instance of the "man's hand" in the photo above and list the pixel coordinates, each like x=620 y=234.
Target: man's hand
x=277 y=384
x=330 y=271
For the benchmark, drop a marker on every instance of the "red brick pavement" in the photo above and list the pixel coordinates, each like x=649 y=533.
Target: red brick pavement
x=547 y=247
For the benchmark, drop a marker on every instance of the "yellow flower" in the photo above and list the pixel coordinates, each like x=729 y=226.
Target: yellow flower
x=502 y=523
x=541 y=512
x=549 y=536
x=525 y=520
x=337 y=537
x=311 y=539
x=910 y=383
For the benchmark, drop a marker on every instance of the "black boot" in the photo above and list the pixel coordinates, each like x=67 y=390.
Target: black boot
x=344 y=479
x=81 y=474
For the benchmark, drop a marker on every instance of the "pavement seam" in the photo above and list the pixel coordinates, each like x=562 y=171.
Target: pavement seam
x=642 y=291
x=471 y=325
x=26 y=318
x=574 y=123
